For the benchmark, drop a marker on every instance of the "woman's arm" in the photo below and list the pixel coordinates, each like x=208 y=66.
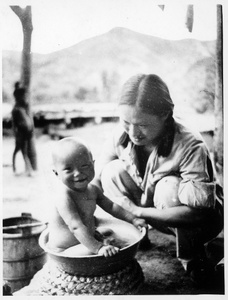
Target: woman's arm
x=117 y=211
x=178 y=216
x=197 y=187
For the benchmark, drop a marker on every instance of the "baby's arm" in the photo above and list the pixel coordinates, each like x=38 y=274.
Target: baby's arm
x=117 y=211
x=71 y=217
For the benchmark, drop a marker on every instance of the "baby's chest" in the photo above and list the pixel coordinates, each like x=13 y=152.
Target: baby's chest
x=86 y=208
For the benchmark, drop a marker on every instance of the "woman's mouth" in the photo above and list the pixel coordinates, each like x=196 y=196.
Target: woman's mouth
x=137 y=139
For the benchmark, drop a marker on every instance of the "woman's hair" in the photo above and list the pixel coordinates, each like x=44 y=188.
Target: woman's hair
x=151 y=94
x=148 y=92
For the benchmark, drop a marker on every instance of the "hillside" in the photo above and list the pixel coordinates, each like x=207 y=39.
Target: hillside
x=95 y=69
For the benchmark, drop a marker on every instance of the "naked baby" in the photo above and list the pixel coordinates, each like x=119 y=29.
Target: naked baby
x=72 y=229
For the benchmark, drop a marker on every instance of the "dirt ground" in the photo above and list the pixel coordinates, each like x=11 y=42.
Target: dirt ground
x=163 y=273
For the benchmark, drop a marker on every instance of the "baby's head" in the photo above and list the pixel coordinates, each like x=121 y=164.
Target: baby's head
x=73 y=163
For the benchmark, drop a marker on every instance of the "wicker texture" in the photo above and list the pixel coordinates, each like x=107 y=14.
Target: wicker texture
x=55 y=282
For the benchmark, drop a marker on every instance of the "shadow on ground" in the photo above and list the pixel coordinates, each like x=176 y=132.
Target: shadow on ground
x=164 y=274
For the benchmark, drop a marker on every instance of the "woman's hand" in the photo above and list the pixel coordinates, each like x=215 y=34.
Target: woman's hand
x=139 y=223
x=108 y=250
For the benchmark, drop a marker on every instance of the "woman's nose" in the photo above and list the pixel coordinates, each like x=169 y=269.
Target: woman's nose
x=134 y=130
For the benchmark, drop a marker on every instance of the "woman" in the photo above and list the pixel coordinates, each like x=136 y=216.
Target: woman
x=160 y=171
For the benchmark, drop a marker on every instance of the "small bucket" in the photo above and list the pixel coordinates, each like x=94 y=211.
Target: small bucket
x=22 y=255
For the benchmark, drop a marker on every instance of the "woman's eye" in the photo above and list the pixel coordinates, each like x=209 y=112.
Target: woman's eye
x=67 y=169
x=125 y=124
x=84 y=166
x=142 y=126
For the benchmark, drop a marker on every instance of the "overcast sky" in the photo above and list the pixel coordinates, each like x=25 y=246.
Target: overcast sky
x=62 y=23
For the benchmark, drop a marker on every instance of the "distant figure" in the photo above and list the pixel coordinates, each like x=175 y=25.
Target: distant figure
x=23 y=130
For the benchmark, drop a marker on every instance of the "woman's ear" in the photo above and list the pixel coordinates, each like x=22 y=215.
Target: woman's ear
x=166 y=116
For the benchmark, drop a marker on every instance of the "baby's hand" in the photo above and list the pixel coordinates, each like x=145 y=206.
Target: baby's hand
x=139 y=223
x=108 y=250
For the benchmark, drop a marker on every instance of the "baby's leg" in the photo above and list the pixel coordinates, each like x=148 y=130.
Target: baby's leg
x=77 y=250
x=105 y=235
x=105 y=231
x=112 y=238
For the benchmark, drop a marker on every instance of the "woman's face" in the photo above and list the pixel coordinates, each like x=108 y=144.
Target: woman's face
x=142 y=128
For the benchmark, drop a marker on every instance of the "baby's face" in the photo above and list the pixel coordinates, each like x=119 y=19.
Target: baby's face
x=76 y=169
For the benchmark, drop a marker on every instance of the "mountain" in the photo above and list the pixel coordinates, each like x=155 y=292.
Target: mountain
x=95 y=69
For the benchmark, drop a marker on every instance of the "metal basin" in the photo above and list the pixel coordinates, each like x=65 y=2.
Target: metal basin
x=97 y=265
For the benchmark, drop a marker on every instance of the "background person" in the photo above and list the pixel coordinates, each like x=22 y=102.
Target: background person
x=23 y=128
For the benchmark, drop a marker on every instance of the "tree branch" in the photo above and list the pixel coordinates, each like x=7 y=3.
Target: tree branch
x=17 y=10
x=24 y=14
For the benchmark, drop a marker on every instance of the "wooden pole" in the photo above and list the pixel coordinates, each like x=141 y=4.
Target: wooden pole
x=25 y=16
x=218 y=137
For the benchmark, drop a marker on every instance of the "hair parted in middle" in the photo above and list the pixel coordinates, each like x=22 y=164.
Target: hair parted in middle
x=148 y=92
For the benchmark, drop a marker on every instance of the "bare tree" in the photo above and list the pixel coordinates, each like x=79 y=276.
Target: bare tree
x=25 y=16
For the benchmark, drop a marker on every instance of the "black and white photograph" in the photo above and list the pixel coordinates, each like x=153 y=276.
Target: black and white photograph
x=113 y=148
